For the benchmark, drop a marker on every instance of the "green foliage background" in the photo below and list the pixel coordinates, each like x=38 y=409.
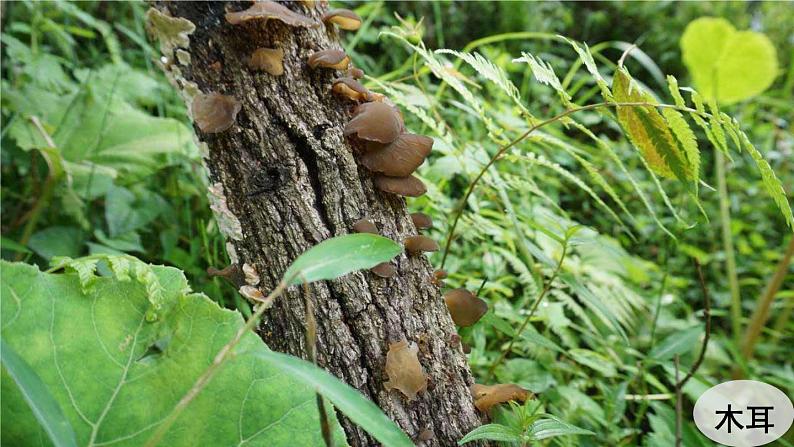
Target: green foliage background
x=126 y=178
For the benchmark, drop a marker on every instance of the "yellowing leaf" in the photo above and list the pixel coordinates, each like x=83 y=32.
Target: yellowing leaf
x=728 y=65
x=648 y=130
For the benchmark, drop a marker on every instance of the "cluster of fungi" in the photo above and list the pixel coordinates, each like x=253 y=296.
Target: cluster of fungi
x=384 y=147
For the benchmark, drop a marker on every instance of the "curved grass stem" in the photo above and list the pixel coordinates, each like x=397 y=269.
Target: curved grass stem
x=461 y=206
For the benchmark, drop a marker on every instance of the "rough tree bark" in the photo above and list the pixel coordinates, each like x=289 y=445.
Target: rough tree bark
x=286 y=174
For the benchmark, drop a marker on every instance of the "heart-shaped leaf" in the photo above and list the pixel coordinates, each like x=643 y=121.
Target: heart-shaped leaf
x=728 y=65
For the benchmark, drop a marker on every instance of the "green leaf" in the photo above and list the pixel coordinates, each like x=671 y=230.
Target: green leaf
x=551 y=426
x=12 y=245
x=648 y=130
x=686 y=138
x=45 y=408
x=492 y=432
x=57 y=241
x=676 y=343
x=116 y=375
x=128 y=210
x=341 y=255
x=355 y=406
x=728 y=65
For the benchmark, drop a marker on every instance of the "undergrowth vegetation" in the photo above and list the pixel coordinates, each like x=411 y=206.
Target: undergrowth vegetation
x=616 y=204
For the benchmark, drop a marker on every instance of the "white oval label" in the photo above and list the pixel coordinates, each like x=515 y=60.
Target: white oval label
x=743 y=413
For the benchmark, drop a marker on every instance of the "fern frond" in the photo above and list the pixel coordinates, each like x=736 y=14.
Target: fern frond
x=589 y=63
x=595 y=176
x=544 y=74
x=539 y=160
x=715 y=123
x=85 y=269
x=438 y=69
x=675 y=92
x=772 y=184
x=490 y=71
x=154 y=290
x=647 y=130
x=617 y=160
x=686 y=138
x=120 y=267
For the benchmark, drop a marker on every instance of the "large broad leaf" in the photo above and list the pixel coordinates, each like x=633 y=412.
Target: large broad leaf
x=117 y=376
x=341 y=255
x=728 y=65
x=44 y=407
x=648 y=130
x=95 y=128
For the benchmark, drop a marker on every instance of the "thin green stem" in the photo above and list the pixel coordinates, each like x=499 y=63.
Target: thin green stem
x=531 y=313
x=220 y=358
x=522 y=137
x=761 y=313
x=727 y=244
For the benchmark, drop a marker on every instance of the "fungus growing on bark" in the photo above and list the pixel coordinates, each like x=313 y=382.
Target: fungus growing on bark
x=270 y=60
x=343 y=18
x=365 y=226
x=422 y=222
x=384 y=270
x=376 y=121
x=404 y=370
x=265 y=10
x=336 y=59
x=403 y=186
x=418 y=244
x=425 y=435
x=488 y=396
x=355 y=73
x=350 y=89
x=438 y=277
x=252 y=293
x=464 y=307
x=251 y=276
x=231 y=273
x=456 y=340
x=214 y=112
x=401 y=157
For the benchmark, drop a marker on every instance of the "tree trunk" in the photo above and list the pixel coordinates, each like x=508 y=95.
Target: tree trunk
x=285 y=179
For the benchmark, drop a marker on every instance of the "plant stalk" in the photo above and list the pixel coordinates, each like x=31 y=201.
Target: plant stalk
x=761 y=313
x=727 y=245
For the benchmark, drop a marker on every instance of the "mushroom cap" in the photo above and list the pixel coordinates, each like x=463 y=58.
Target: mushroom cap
x=464 y=307
x=343 y=18
x=350 y=89
x=488 y=396
x=404 y=370
x=384 y=270
x=264 y=10
x=376 y=121
x=355 y=73
x=214 y=112
x=422 y=221
x=365 y=226
x=418 y=244
x=440 y=274
x=401 y=157
x=403 y=186
x=333 y=58
x=270 y=60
